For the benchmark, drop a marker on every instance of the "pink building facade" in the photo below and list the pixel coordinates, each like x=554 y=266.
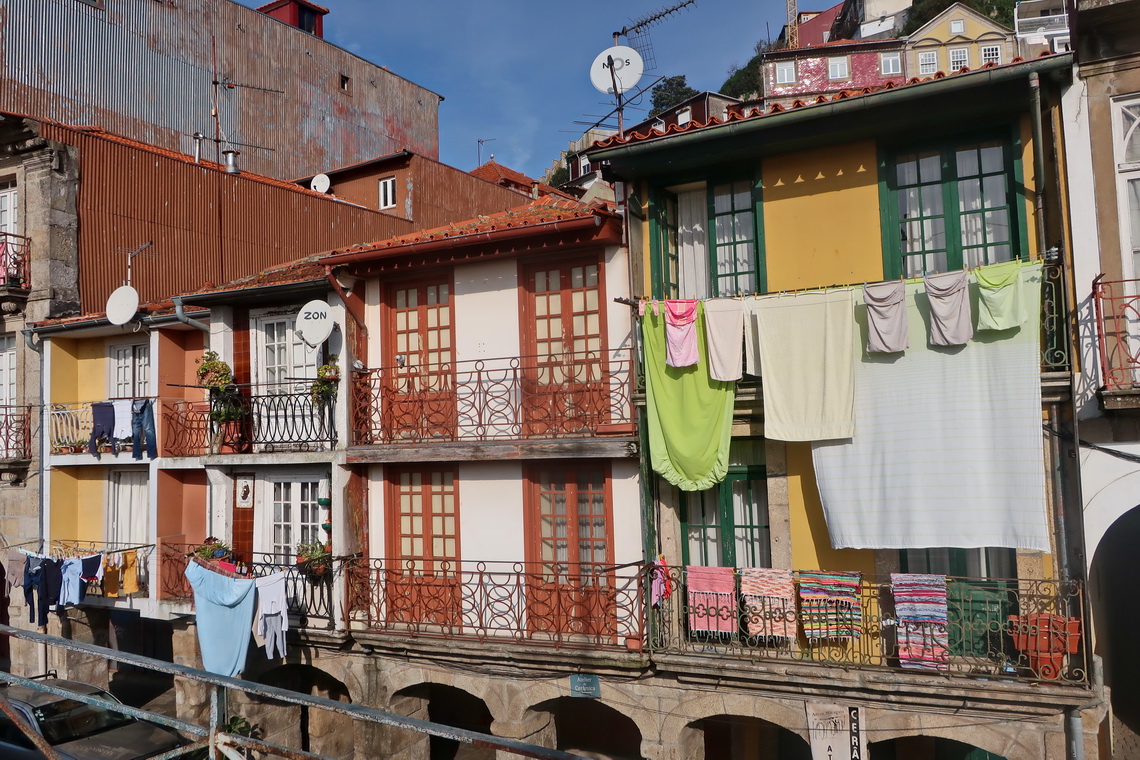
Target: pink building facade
x=806 y=72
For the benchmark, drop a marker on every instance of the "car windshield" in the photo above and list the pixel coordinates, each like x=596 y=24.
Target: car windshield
x=67 y=720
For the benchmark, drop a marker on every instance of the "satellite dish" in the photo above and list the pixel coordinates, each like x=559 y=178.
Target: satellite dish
x=627 y=70
x=122 y=305
x=320 y=183
x=314 y=323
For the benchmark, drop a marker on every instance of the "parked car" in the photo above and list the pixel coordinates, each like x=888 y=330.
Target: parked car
x=79 y=731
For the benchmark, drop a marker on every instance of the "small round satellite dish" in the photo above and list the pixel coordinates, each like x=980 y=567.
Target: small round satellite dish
x=320 y=183
x=122 y=305
x=314 y=323
x=627 y=69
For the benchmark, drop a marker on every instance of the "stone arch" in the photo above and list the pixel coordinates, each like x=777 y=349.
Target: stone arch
x=677 y=726
x=718 y=736
x=591 y=728
x=1004 y=740
x=312 y=730
x=451 y=706
x=495 y=693
x=923 y=745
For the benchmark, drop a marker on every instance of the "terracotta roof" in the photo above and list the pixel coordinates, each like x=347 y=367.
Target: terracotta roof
x=833 y=43
x=294 y=272
x=542 y=211
x=757 y=113
x=811 y=31
x=504 y=175
x=152 y=309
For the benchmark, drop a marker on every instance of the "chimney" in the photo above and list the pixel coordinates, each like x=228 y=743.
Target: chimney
x=198 y=137
x=306 y=16
x=230 y=158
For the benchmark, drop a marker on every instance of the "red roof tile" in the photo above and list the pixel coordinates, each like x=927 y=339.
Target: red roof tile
x=504 y=175
x=753 y=113
x=542 y=211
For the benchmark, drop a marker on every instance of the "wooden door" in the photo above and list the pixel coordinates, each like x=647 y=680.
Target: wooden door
x=423 y=585
x=418 y=383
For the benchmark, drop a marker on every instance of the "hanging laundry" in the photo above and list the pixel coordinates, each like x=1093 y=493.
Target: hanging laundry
x=807 y=360
x=711 y=597
x=72 y=587
x=886 y=317
x=921 y=608
x=769 y=601
x=224 y=608
x=681 y=333
x=130 y=572
x=142 y=429
x=102 y=428
x=724 y=333
x=999 y=296
x=122 y=418
x=949 y=448
x=272 y=613
x=111 y=576
x=661 y=587
x=16 y=561
x=92 y=567
x=35 y=589
x=951 y=322
x=829 y=605
x=689 y=414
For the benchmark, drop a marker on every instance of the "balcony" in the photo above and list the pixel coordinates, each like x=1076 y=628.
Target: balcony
x=15 y=262
x=549 y=603
x=70 y=425
x=1117 y=311
x=1040 y=18
x=570 y=396
x=253 y=419
x=15 y=434
x=308 y=590
x=1014 y=630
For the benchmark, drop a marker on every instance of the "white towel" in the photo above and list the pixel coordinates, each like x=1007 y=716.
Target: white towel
x=951 y=322
x=724 y=329
x=950 y=447
x=122 y=409
x=886 y=316
x=807 y=365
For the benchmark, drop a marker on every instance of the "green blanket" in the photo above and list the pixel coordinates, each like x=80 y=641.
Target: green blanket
x=689 y=413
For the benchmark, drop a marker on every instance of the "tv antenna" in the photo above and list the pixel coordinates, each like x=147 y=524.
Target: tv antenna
x=484 y=140
x=637 y=36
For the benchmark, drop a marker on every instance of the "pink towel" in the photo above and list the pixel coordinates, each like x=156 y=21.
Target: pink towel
x=712 y=599
x=681 y=333
x=770 y=601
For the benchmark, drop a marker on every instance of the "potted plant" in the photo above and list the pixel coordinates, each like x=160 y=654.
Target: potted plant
x=213 y=372
x=226 y=410
x=212 y=549
x=324 y=387
x=314 y=558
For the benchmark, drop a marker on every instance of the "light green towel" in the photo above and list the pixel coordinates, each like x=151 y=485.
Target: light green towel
x=999 y=296
x=689 y=413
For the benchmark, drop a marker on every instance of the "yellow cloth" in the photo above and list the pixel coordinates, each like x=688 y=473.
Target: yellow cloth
x=110 y=580
x=130 y=572
x=999 y=296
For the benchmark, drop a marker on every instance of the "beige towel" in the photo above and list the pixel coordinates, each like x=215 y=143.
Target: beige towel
x=806 y=344
x=724 y=328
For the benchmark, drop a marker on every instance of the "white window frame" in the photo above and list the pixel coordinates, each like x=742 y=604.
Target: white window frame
x=895 y=59
x=928 y=62
x=8 y=372
x=302 y=361
x=583 y=165
x=832 y=62
x=957 y=26
x=684 y=116
x=1061 y=44
x=783 y=69
x=264 y=540
x=135 y=529
x=991 y=54
x=141 y=367
x=387 y=190
x=961 y=53
x=1126 y=173
x=9 y=205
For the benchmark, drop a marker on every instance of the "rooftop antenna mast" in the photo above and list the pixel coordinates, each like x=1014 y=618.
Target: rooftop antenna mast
x=638 y=37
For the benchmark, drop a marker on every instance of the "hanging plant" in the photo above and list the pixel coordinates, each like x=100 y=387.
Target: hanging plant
x=328 y=377
x=213 y=372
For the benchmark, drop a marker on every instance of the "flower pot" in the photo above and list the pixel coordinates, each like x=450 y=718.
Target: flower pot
x=1045 y=639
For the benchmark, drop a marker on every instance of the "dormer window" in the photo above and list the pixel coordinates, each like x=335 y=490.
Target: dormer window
x=684 y=116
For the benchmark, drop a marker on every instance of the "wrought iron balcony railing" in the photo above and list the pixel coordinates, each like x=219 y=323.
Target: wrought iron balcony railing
x=516 y=398
x=70 y=425
x=15 y=432
x=253 y=418
x=1014 y=630
x=1055 y=336
x=308 y=589
x=1117 y=311
x=15 y=261
x=558 y=603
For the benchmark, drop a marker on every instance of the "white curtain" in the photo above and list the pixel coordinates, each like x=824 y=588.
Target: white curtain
x=127 y=518
x=693 y=244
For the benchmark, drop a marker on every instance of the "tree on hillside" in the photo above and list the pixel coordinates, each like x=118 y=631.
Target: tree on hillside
x=999 y=11
x=558 y=176
x=669 y=92
x=745 y=82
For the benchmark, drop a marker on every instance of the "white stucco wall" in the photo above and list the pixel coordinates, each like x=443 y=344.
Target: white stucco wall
x=1111 y=487
x=491 y=511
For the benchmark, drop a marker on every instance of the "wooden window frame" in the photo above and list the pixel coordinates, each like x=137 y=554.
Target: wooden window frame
x=716 y=276
x=527 y=269
x=392 y=514
x=388 y=310
x=532 y=518
x=727 y=526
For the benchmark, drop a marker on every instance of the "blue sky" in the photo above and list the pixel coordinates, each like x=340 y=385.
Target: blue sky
x=518 y=71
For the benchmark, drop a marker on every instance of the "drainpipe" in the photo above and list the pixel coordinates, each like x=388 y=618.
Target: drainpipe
x=1038 y=160
x=28 y=333
x=181 y=314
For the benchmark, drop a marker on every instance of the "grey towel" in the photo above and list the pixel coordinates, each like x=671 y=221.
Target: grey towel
x=951 y=321
x=886 y=317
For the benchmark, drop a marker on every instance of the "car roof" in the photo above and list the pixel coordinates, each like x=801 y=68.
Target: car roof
x=36 y=698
